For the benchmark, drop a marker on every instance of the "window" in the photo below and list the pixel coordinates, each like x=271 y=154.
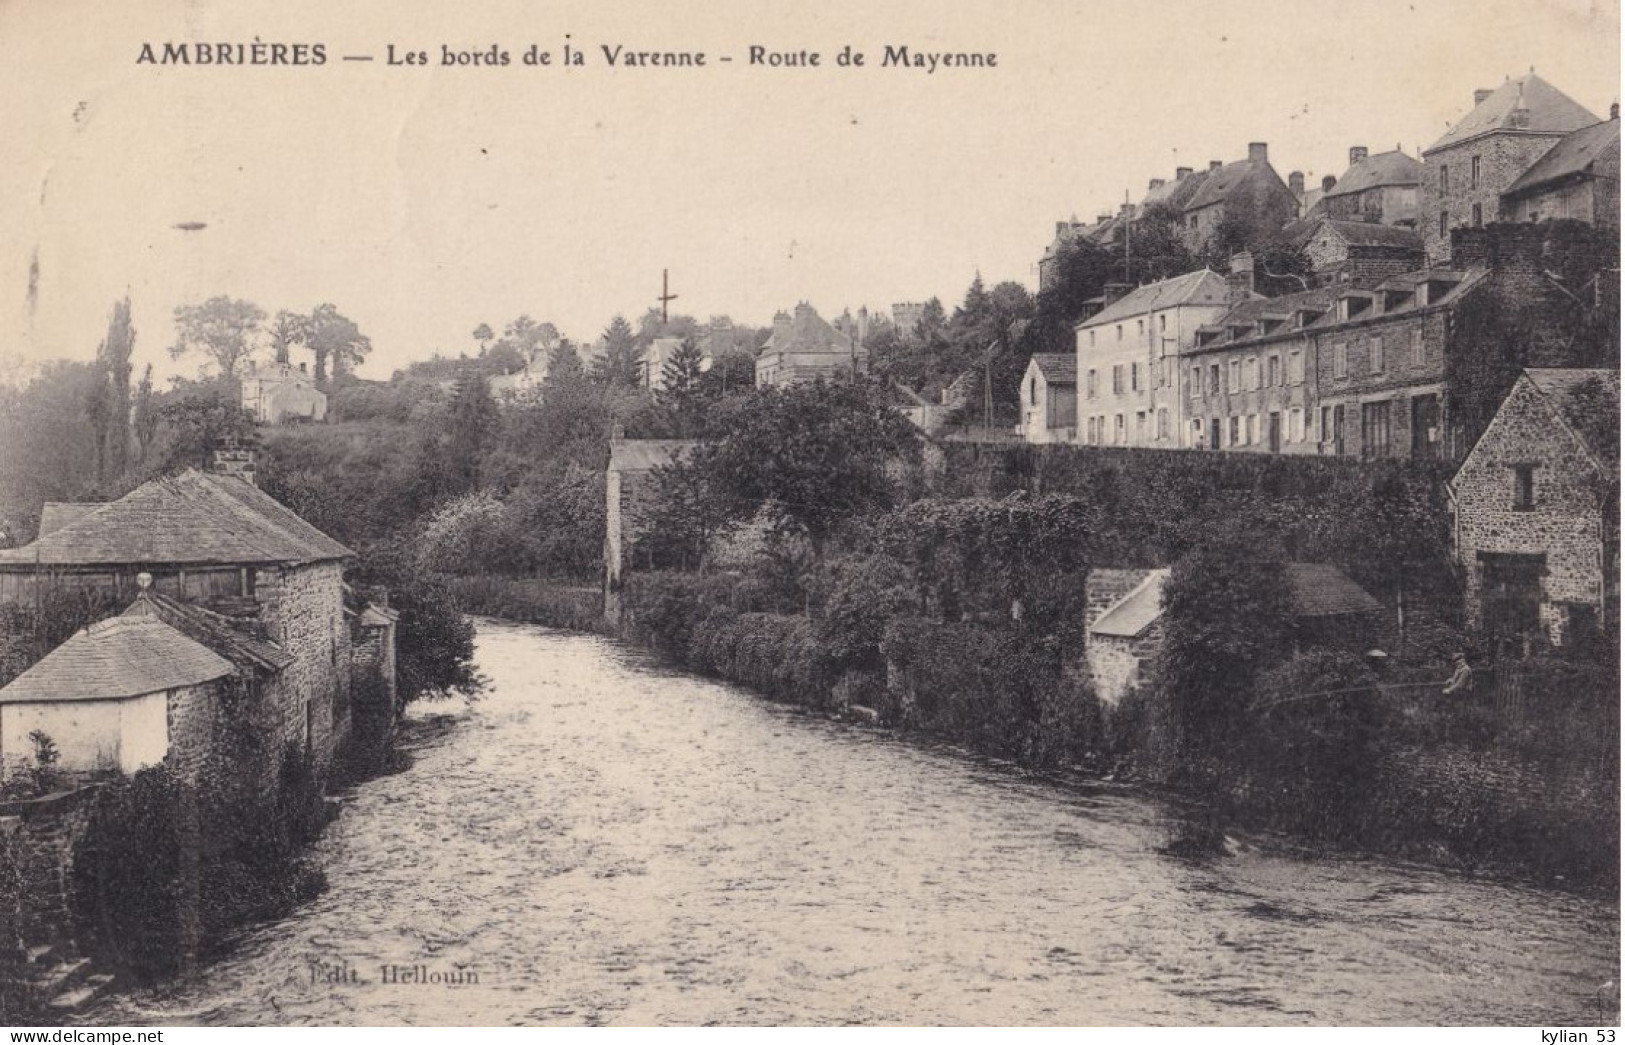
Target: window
x=1162 y=323
x=1139 y=327
x=1478 y=215
x=1089 y=430
x=1091 y=339
x=1325 y=423
x=1090 y=383
x=1444 y=223
x=1213 y=379
x=1274 y=370
x=1252 y=429
x=1235 y=429
x=1235 y=376
x=1120 y=434
x=1119 y=331
x=1139 y=426
x=1196 y=432
x=1379 y=359
x=1162 y=422
x=1196 y=381
x=1249 y=373
x=1134 y=377
x=1444 y=177
x=1473 y=178
x=1340 y=359
x=1523 y=487
x=1294 y=367
x=1117 y=379
x=1294 y=425
x=1375 y=429
x=1418 y=348
x=1032 y=392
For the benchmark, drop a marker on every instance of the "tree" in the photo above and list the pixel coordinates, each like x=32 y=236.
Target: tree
x=483 y=335
x=472 y=420
x=622 y=362
x=815 y=455
x=681 y=392
x=436 y=642
x=199 y=419
x=145 y=415
x=564 y=365
x=288 y=329
x=335 y=337
x=114 y=359
x=223 y=329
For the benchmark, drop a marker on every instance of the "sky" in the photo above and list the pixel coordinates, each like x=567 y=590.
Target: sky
x=423 y=201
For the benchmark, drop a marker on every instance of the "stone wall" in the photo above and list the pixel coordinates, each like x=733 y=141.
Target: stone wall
x=1117 y=665
x=1565 y=523
x=303 y=609
x=37 y=837
x=1502 y=159
x=194 y=725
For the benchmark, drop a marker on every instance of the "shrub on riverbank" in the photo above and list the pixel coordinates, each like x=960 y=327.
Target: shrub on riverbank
x=531 y=600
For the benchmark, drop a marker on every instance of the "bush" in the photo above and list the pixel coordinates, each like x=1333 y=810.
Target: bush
x=434 y=641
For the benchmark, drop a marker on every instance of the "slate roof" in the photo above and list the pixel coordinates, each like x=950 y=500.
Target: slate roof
x=1375 y=171
x=645 y=455
x=1372 y=234
x=1550 y=111
x=1202 y=287
x=114 y=659
x=1321 y=590
x=1575 y=154
x=1131 y=615
x=378 y=616
x=231 y=638
x=1058 y=368
x=53 y=515
x=1176 y=192
x=191 y=518
x=1225 y=182
x=810 y=334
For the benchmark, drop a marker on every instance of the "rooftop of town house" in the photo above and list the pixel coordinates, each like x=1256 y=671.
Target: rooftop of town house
x=1221 y=334
x=374 y=616
x=194 y=518
x=1575 y=154
x=1058 y=368
x=645 y=455
x=1546 y=110
x=1202 y=287
x=1377 y=171
x=1314 y=591
x=235 y=638
x=1130 y=616
x=1223 y=182
x=54 y=515
x=1359 y=234
x=1175 y=192
x=809 y=334
x=127 y=656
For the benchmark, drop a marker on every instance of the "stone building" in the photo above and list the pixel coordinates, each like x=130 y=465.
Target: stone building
x=1356 y=251
x=1128 y=358
x=1124 y=633
x=906 y=316
x=1049 y=398
x=1380 y=189
x=803 y=347
x=628 y=486
x=1578 y=180
x=281 y=393
x=1467 y=170
x=1249 y=192
x=230 y=567
x=1536 y=507
x=119 y=695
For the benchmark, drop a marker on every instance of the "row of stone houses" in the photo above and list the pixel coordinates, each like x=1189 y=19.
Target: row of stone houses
x=235 y=615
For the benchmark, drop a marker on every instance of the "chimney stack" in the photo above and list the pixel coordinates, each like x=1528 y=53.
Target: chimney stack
x=781 y=326
x=1479 y=96
x=1126 y=212
x=1613 y=111
x=1157 y=183
x=1258 y=152
x=232 y=458
x=1181 y=173
x=1114 y=292
x=1240 y=279
x=1357 y=153
x=1328 y=183
x=1294 y=182
x=1214 y=165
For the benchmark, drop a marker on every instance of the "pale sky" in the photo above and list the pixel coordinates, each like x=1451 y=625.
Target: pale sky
x=422 y=202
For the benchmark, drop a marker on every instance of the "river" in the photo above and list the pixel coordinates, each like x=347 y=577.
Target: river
x=601 y=840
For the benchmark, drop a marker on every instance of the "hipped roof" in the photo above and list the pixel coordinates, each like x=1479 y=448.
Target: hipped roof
x=114 y=659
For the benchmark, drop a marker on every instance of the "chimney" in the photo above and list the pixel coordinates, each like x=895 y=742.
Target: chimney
x=781 y=326
x=863 y=324
x=232 y=458
x=617 y=433
x=1613 y=111
x=1258 y=152
x=1157 y=183
x=1328 y=183
x=1101 y=219
x=1213 y=165
x=1357 y=153
x=1061 y=227
x=1114 y=292
x=1126 y=211
x=1479 y=96
x=1294 y=182
x=302 y=369
x=1240 y=279
x=1181 y=173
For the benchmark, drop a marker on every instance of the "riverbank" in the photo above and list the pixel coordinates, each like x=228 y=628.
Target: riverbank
x=1439 y=786
x=602 y=839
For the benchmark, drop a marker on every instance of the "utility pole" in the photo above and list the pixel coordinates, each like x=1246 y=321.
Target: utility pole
x=666 y=296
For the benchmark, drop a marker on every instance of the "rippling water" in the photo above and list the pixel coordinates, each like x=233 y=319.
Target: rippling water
x=599 y=840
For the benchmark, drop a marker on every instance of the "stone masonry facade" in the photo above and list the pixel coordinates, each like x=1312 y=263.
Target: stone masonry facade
x=303 y=612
